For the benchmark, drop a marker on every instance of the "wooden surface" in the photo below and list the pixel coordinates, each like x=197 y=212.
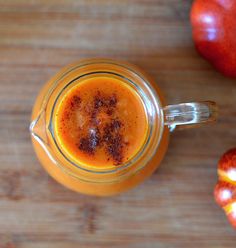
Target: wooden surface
x=175 y=207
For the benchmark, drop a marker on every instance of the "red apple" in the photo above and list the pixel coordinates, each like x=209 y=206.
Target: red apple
x=214 y=33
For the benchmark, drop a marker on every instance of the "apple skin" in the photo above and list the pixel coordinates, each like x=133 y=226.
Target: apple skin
x=225 y=189
x=214 y=33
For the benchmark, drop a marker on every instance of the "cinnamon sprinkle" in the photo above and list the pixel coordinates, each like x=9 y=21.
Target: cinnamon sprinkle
x=75 y=101
x=109 y=135
x=89 y=143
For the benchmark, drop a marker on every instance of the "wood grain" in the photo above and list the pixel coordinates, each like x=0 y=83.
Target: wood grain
x=175 y=207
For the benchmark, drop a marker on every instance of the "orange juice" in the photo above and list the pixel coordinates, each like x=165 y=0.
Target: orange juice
x=97 y=127
x=101 y=122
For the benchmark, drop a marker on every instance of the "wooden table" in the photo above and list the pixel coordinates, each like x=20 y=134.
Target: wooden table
x=175 y=207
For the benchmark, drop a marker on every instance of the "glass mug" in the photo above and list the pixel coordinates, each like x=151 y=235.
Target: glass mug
x=161 y=120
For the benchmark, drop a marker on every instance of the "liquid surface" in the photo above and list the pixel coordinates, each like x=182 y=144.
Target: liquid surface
x=101 y=122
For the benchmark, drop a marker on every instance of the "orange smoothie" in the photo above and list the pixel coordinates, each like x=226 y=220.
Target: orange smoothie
x=101 y=122
x=94 y=133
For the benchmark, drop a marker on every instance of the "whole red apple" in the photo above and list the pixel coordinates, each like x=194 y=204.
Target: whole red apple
x=214 y=33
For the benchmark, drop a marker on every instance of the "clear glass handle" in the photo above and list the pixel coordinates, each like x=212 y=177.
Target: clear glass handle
x=191 y=114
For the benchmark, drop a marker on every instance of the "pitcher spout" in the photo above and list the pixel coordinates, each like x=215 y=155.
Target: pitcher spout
x=38 y=128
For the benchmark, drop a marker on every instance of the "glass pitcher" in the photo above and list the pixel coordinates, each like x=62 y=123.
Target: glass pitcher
x=162 y=119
